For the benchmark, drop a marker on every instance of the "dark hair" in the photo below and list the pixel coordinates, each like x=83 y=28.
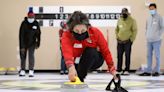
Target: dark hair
x=153 y=4
x=77 y=18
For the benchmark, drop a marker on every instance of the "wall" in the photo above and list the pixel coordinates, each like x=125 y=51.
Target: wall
x=48 y=55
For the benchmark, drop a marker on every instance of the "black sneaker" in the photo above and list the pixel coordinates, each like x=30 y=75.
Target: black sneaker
x=61 y=72
x=66 y=72
x=155 y=74
x=145 y=74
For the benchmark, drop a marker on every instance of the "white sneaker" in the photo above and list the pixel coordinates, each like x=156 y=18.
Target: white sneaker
x=22 y=73
x=120 y=72
x=31 y=73
x=126 y=73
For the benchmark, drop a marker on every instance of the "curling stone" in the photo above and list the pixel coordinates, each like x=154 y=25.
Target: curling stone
x=12 y=71
x=76 y=86
x=3 y=71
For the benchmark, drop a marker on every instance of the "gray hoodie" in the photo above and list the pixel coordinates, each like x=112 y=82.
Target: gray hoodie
x=154 y=28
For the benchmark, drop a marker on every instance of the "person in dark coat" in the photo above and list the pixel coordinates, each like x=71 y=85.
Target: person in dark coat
x=29 y=40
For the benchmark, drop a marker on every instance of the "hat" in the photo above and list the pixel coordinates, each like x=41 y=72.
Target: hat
x=124 y=10
x=31 y=14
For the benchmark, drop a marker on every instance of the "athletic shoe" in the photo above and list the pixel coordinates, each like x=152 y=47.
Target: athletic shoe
x=125 y=73
x=22 y=73
x=156 y=74
x=31 y=73
x=61 y=72
x=66 y=72
x=119 y=72
x=145 y=74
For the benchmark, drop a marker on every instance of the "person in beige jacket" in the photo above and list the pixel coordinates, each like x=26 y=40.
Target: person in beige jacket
x=126 y=31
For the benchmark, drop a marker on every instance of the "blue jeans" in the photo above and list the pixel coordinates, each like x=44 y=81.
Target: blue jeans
x=156 y=47
x=63 y=66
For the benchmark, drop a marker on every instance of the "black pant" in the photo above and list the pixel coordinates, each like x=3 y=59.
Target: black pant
x=91 y=59
x=23 y=55
x=121 y=48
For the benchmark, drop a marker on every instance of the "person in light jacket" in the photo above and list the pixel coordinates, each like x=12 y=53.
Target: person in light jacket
x=154 y=30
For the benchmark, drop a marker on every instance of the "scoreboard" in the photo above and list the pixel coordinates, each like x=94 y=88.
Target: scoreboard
x=101 y=16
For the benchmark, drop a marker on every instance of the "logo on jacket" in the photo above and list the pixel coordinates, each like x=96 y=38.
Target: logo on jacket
x=78 y=45
x=34 y=27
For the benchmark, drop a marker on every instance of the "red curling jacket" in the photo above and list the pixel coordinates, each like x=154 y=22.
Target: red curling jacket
x=73 y=48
